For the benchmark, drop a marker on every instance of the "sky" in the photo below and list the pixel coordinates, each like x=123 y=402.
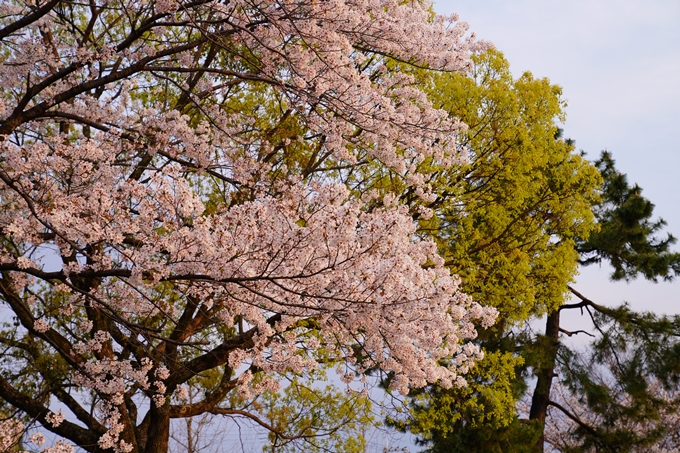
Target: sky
x=618 y=62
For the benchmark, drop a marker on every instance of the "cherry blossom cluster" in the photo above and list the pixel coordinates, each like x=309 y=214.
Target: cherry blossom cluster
x=311 y=251
x=186 y=165
x=10 y=433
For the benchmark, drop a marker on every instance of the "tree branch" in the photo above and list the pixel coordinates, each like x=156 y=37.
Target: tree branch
x=573 y=417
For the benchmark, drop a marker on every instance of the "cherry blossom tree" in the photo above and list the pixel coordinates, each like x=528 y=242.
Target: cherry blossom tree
x=178 y=198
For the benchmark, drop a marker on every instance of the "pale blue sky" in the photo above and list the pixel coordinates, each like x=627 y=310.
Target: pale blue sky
x=618 y=62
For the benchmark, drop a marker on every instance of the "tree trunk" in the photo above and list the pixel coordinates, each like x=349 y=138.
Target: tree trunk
x=541 y=398
x=159 y=430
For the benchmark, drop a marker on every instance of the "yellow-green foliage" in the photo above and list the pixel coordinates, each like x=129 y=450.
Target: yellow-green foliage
x=505 y=223
x=317 y=418
x=486 y=400
x=509 y=218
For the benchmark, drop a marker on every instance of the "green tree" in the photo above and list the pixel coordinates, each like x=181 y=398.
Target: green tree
x=627 y=234
x=507 y=223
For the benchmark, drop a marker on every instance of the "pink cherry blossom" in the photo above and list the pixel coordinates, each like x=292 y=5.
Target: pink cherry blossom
x=190 y=167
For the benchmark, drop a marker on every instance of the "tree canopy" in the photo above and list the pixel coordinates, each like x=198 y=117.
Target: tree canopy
x=181 y=201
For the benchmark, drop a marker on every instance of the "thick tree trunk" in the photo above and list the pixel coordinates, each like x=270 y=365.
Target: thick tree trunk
x=159 y=430
x=541 y=398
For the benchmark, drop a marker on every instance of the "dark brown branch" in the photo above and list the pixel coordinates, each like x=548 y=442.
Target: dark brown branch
x=29 y=18
x=58 y=342
x=573 y=417
x=84 y=438
x=119 y=272
x=585 y=302
x=82 y=120
x=78 y=411
x=575 y=332
x=210 y=401
x=212 y=359
x=258 y=420
x=219 y=355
